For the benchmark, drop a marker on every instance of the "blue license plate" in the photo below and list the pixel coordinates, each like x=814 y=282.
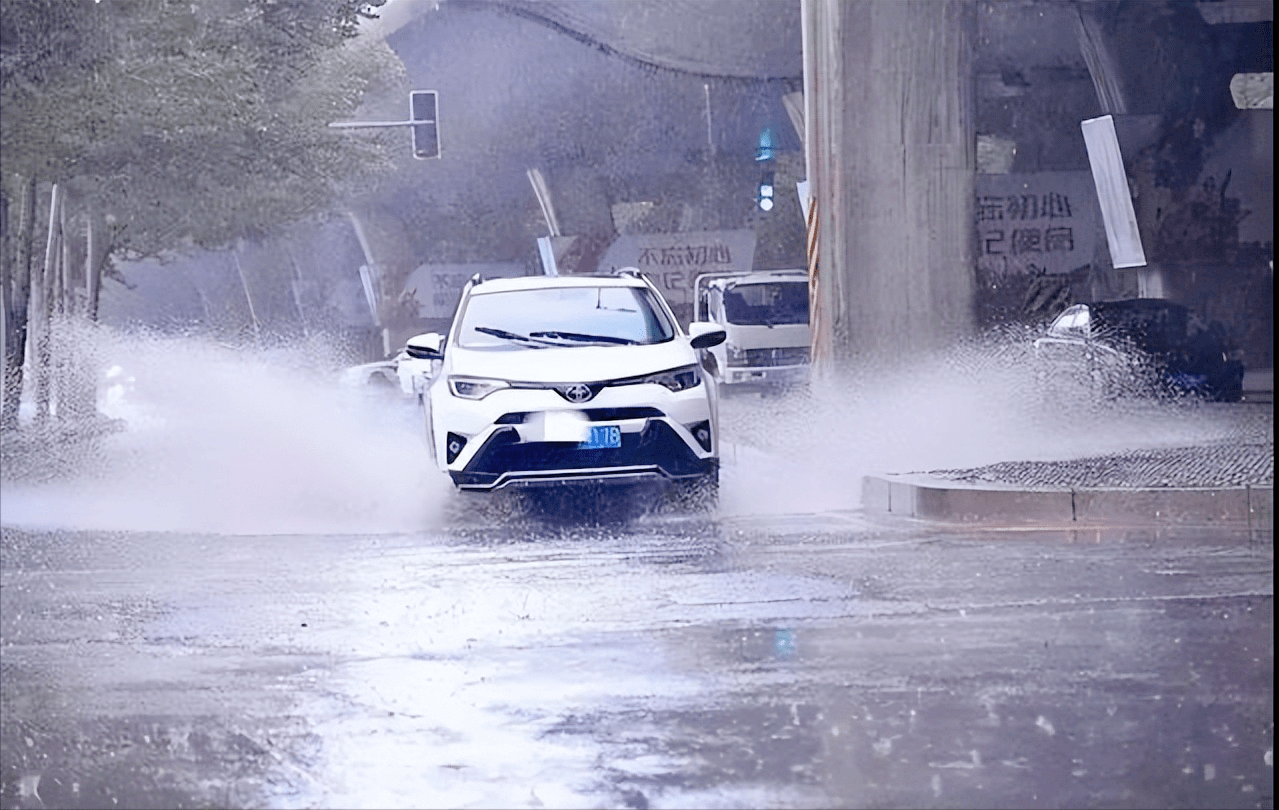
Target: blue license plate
x=602 y=436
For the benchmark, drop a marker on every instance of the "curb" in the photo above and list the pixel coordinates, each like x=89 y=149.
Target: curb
x=920 y=497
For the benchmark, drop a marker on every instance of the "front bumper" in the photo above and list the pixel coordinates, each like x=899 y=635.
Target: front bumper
x=656 y=451
x=518 y=436
x=765 y=375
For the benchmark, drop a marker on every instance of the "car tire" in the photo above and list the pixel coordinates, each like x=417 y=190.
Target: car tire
x=699 y=494
x=1050 y=392
x=1229 y=386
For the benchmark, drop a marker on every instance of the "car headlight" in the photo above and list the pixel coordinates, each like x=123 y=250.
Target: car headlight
x=475 y=387
x=677 y=379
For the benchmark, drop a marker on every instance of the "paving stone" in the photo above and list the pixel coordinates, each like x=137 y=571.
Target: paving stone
x=1224 y=465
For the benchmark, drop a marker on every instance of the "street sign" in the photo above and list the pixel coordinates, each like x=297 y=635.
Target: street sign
x=1111 y=180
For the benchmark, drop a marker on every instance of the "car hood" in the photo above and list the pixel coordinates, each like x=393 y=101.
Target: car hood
x=570 y=364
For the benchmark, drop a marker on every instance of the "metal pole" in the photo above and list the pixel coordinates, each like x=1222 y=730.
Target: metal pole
x=710 y=140
x=376 y=124
x=42 y=294
x=244 y=282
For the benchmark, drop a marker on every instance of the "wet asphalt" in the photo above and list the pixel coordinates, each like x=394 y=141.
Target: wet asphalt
x=518 y=658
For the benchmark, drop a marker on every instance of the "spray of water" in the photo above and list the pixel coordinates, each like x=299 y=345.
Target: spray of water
x=226 y=440
x=979 y=403
x=220 y=439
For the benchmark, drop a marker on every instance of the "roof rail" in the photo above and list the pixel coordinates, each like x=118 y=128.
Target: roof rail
x=627 y=271
x=477 y=279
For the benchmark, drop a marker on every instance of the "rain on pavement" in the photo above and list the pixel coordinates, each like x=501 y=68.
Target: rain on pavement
x=257 y=594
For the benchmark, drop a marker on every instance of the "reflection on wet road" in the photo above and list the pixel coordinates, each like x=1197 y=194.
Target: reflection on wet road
x=819 y=661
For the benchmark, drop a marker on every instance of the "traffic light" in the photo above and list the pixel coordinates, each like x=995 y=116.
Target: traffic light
x=426 y=129
x=765 y=196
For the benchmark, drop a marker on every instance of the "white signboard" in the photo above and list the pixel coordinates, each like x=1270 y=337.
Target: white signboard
x=1111 y=181
x=1043 y=222
x=438 y=287
x=674 y=260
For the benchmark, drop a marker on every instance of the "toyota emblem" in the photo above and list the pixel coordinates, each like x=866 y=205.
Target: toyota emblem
x=578 y=392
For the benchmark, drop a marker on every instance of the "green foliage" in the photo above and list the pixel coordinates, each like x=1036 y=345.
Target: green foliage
x=191 y=123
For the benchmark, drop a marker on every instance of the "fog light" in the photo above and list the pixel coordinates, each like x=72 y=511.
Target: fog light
x=702 y=432
x=453 y=445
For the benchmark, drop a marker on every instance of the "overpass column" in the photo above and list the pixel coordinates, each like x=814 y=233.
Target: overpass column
x=891 y=158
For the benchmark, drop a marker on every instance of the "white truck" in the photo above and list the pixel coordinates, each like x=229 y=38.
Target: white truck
x=765 y=314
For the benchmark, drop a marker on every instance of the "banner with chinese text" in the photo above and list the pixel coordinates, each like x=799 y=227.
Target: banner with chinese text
x=1046 y=222
x=674 y=260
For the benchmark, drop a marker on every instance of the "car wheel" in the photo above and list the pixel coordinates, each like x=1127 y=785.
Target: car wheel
x=1230 y=392
x=699 y=494
x=1049 y=390
x=1229 y=385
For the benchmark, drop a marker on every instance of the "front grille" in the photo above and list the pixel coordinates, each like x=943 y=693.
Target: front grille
x=788 y=356
x=592 y=414
x=611 y=414
x=658 y=445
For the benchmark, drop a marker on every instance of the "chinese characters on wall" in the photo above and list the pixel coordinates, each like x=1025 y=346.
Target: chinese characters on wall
x=674 y=261
x=435 y=289
x=1035 y=223
x=674 y=269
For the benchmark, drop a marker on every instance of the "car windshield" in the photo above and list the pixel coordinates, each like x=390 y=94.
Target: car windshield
x=564 y=316
x=1071 y=323
x=767 y=304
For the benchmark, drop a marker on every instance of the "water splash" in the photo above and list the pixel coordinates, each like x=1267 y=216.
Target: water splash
x=228 y=440
x=221 y=439
x=981 y=403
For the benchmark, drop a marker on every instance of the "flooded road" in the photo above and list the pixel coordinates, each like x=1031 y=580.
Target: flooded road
x=257 y=594
x=785 y=661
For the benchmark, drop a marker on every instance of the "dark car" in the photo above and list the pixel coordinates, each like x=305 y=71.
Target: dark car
x=1139 y=344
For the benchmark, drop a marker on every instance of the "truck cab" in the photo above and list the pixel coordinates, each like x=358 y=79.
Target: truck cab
x=765 y=316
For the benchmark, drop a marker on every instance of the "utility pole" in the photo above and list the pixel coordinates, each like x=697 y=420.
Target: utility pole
x=424 y=122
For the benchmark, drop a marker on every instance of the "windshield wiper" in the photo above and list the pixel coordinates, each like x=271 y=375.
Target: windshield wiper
x=505 y=335
x=581 y=338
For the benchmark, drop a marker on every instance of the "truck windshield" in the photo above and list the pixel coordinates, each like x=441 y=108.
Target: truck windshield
x=767 y=304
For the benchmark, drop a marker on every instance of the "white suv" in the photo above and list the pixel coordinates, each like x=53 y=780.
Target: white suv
x=560 y=378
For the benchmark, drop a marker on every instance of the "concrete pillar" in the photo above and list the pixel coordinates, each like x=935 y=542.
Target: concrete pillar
x=892 y=157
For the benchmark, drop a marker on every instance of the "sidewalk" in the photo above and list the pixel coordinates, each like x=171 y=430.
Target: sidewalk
x=1226 y=483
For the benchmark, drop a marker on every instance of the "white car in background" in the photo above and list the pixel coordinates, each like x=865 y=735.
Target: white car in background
x=765 y=317
x=400 y=372
x=564 y=378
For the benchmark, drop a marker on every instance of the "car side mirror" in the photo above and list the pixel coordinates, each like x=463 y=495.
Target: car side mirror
x=704 y=334
x=425 y=347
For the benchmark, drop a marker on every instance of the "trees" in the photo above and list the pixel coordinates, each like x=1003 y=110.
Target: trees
x=170 y=126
